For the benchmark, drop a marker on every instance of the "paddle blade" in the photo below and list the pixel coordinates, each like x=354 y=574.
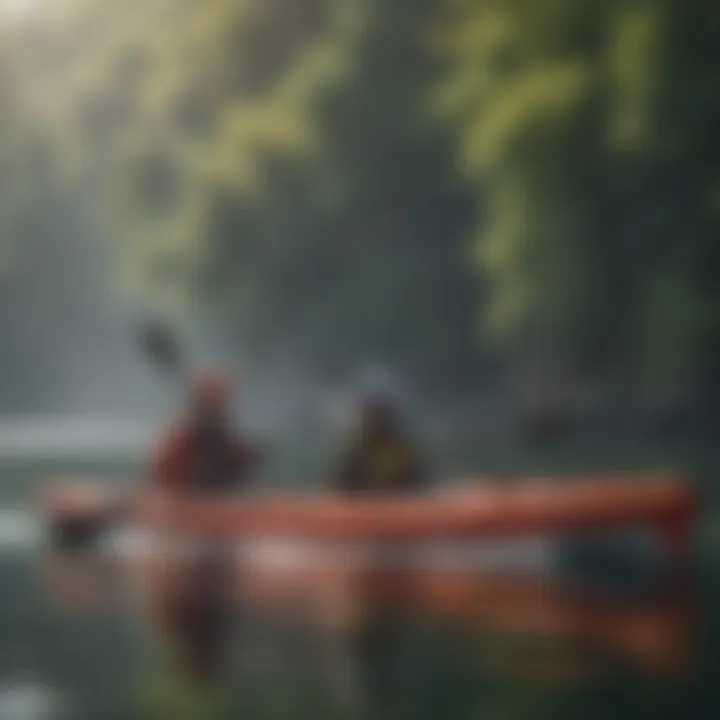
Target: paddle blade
x=160 y=344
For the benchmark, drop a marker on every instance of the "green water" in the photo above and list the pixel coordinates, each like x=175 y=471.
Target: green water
x=104 y=664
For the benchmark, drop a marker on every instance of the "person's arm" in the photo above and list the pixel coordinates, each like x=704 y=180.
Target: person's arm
x=347 y=477
x=417 y=475
x=168 y=472
x=249 y=457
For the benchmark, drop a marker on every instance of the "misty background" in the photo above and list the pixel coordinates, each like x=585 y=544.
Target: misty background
x=512 y=206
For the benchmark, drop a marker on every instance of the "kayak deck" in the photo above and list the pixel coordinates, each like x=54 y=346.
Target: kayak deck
x=483 y=509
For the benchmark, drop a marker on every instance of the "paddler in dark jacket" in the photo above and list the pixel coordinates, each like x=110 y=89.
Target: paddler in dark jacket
x=380 y=461
x=203 y=454
x=381 y=458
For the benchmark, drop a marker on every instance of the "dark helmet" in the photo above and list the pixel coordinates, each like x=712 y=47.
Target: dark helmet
x=379 y=401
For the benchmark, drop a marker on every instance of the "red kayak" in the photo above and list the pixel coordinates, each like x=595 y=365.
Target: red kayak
x=481 y=509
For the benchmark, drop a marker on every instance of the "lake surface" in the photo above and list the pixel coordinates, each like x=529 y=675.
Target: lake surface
x=63 y=658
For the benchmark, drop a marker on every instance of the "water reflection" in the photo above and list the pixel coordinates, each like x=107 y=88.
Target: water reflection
x=327 y=632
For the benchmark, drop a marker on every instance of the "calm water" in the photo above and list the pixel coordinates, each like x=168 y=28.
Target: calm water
x=101 y=662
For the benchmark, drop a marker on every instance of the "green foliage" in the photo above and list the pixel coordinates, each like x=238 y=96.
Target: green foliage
x=334 y=180
x=274 y=160
x=587 y=128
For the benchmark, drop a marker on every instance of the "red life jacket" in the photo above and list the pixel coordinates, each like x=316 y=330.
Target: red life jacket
x=190 y=460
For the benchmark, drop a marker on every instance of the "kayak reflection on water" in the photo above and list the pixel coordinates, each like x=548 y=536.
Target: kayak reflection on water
x=368 y=641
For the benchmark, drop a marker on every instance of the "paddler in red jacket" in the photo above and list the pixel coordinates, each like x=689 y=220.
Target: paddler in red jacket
x=203 y=454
